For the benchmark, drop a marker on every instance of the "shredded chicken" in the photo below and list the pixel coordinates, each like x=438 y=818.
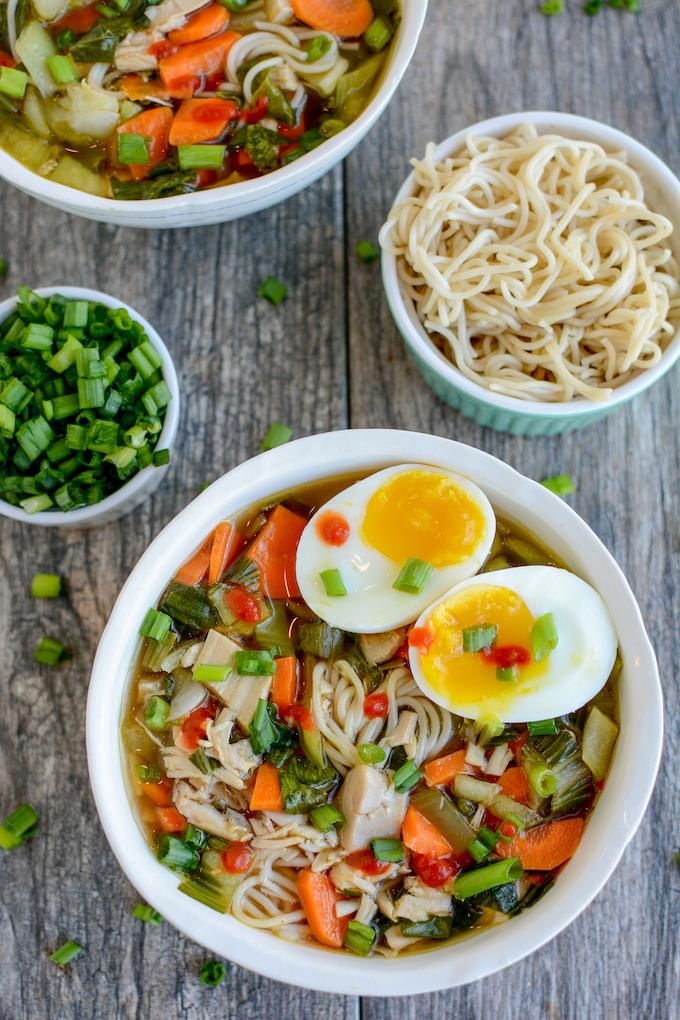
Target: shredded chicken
x=238 y=759
x=379 y=648
x=190 y=654
x=198 y=811
x=284 y=76
x=280 y=12
x=132 y=53
x=404 y=734
x=172 y=14
x=396 y=941
x=419 y=901
x=367 y=909
x=327 y=858
x=350 y=880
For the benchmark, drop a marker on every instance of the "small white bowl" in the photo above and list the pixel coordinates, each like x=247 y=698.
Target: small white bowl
x=508 y=414
x=146 y=481
x=230 y=202
x=609 y=830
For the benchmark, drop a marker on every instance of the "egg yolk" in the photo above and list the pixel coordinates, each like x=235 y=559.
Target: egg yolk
x=425 y=515
x=469 y=678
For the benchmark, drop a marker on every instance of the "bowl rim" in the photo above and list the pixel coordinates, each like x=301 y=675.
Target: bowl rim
x=131 y=490
x=286 y=179
x=610 y=828
x=414 y=334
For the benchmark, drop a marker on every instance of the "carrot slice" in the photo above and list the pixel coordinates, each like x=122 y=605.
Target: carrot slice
x=266 y=795
x=341 y=17
x=160 y=793
x=514 y=783
x=274 y=552
x=318 y=897
x=208 y=21
x=182 y=72
x=170 y=820
x=154 y=124
x=226 y=545
x=136 y=88
x=444 y=770
x=194 y=569
x=421 y=836
x=546 y=846
x=202 y=120
x=284 y=685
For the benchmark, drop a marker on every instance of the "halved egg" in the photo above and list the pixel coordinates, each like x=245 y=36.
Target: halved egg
x=418 y=527
x=520 y=644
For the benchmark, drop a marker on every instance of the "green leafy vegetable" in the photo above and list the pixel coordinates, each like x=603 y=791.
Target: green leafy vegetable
x=190 y=607
x=305 y=785
x=433 y=928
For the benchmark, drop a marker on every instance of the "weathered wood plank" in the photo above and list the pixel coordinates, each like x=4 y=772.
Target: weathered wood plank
x=619 y=960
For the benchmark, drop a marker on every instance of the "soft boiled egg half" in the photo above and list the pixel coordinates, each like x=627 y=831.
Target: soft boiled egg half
x=519 y=645
x=374 y=556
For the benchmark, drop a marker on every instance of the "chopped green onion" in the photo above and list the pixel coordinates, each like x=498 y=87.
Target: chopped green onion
x=235 y=5
x=13 y=82
x=201 y=157
x=277 y=435
x=37 y=337
x=156 y=713
x=387 y=850
x=273 y=290
x=62 y=70
x=4 y=266
x=475 y=639
x=544 y=637
x=550 y=7
x=212 y=973
x=359 y=938
x=413 y=576
x=156 y=398
x=18 y=826
x=325 y=817
x=478 y=850
x=51 y=652
x=542 y=780
x=254 y=663
x=46 y=586
x=36 y=504
x=366 y=251
x=471 y=883
x=318 y=47
x=371 y=754
x=542 y=728
x=377 y=35
x=406 y=777
x=507 y=674
x=155 y=625
x=206 y=674
x=487 y=837
x=160 y=457
x=143 y=912
x=75 y=313
x=65 y=406
x=67 y=952
x=133 y=150
x=148 y=773
x=175 y=854
x=333 y=583
x=90 y=393
x=515 y=819
x=561 y=485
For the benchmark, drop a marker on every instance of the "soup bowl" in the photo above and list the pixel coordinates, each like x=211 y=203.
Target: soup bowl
x=216 y=205
x=616 y=816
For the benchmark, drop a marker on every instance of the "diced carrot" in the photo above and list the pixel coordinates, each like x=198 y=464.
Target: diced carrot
x=226 y=545
x=346 y=18
x=266 y=795
x=136 y=88
x=546 y=846
x=6 y=60
x=154 y=124
x=181 y=72
x=284 y=685
x=208 y=21
x=421 y=836
x=318 y=897
x=194 y=570
x=444 y=770
x=160 y=793
x=274 y=552
x=80 y=20
x=514 y=784
x=201 y=120
x=170 y=820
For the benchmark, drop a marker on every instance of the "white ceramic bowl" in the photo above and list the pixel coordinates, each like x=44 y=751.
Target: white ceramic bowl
x=231 y=202
x=495 y=410
x=146 y=481
x=611 y=827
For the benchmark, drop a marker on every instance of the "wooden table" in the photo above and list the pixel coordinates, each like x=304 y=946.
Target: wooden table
x=328 y=358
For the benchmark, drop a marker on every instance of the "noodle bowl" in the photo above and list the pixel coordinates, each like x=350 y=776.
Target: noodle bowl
x=535 y=264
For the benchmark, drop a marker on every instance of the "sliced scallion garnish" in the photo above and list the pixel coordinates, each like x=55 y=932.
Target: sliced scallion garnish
x=413 y=576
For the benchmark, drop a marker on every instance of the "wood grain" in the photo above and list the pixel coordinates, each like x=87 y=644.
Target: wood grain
x=329 y=357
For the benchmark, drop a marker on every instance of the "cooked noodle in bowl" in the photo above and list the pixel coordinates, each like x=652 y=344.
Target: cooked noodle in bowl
x=536 y=265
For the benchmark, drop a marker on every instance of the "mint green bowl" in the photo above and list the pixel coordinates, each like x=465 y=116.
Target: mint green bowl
x=494 y=410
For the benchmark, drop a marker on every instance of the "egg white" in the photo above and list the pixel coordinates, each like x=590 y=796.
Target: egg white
x=372 y=605
x=577 y=668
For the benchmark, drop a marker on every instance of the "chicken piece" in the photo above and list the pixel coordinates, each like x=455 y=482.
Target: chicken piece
x=396 y=941
x=239 y=694
x=379 y=648
x=403 y=734
x=172 y=14
x=371 y=805
x=198 y=811
x=280 y=12
x=420 y=901
x=351 y=880
x=190 y=654
x=178 y=765
x=327 y=858
x=367 y=910
x=132 y=53
x=238 y=758
x=284 y=76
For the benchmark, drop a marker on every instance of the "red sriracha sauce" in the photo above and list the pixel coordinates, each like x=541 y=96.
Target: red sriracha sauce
x=435 y=871
x=421 y=638
x=302 y=715
x=364 y=860
x=237 y=858
x=505 y=656
x=332 y=528
x=376 y=706
x=243 y=605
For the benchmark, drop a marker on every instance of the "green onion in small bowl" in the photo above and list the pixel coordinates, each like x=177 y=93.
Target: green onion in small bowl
x=64 y=361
